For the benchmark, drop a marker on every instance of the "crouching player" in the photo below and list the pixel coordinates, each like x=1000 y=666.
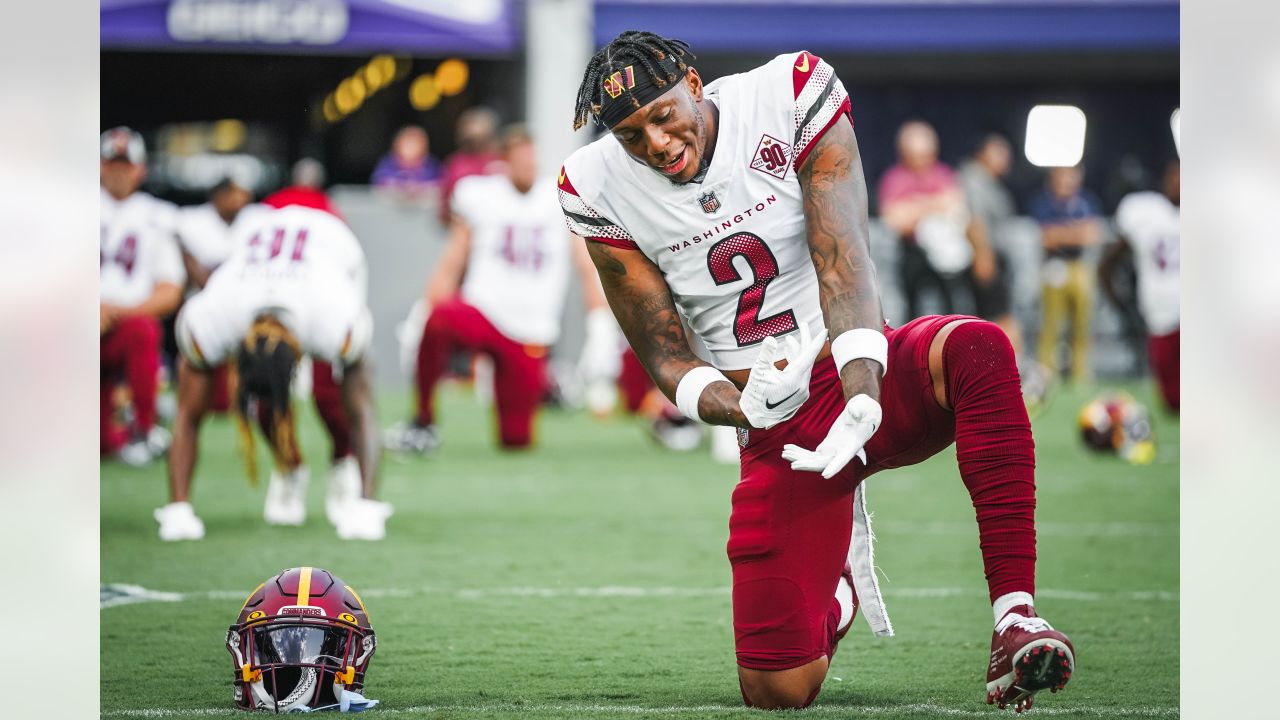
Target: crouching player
x=738 y=209
x=294 y=285
x=499 y=290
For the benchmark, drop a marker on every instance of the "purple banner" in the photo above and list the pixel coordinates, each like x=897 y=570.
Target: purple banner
x=474 y=27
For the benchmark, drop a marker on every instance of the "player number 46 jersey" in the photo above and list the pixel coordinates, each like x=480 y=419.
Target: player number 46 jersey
x=733 y=248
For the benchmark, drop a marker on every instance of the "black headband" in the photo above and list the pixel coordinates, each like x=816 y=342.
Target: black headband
x=631 y=88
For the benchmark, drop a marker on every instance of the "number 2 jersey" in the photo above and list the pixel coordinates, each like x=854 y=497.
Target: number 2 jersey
x=733 y=248
x=306 y=268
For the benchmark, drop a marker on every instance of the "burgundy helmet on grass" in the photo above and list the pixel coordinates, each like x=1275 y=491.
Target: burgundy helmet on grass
x=303 y=638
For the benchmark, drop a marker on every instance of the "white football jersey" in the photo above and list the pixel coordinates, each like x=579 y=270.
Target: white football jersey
x=206 y=236
x=1151 y=225
x=519 y=264
x=137 y=249
x=733 y=248
x=303 y=266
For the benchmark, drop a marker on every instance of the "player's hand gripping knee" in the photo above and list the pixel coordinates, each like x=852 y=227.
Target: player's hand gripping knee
x=846 y=438
x=771 y=395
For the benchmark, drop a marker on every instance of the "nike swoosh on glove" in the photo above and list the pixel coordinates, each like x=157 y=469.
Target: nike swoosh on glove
x=848 y=434
x=771 y=395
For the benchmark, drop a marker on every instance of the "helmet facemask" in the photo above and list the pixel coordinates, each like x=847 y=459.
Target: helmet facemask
x=284 y=662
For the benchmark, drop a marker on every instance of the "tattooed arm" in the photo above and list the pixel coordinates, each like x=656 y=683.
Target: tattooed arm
x=641 y=300
x=835 y=213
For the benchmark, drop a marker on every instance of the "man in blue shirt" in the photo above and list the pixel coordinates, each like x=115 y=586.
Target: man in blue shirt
x=1068 y=217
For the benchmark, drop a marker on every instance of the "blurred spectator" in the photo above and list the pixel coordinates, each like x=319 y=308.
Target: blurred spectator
x=408 y=166
x=477 y=153
x=1148 y=225
x=140 y=282
x=991 y=206
x=921 y=200
x=1068 y=217
x=307 y=189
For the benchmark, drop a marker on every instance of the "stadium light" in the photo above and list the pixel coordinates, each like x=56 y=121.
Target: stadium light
x=452 y=76
x=1055 y=135
x=1175 y=124
x=424 y=93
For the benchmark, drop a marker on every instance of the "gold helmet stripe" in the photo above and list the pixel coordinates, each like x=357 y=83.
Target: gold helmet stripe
x=304 y=587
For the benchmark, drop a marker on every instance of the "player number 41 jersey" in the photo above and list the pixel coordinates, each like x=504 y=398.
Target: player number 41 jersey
x=303 y=266
x=733 y=248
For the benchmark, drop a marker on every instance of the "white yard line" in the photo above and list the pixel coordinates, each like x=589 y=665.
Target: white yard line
x=923 y=709
x=116 y=594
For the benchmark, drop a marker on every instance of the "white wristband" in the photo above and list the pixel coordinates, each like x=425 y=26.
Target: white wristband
x=691 y=386
x=860 y=343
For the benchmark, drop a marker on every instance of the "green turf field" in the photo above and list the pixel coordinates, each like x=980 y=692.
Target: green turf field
x=588 y=579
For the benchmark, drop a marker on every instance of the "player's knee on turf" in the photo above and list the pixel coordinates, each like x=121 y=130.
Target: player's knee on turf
x=791 y=689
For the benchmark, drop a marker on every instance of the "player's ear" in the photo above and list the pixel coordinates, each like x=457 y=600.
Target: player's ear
x=693 y=82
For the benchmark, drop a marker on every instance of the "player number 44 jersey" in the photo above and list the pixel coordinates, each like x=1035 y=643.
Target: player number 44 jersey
x=733 y=248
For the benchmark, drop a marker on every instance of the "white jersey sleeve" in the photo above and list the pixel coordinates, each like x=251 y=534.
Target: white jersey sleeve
x=819 y=99
x=732 y=248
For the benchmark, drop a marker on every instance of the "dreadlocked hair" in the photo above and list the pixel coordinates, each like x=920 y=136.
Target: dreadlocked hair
x=633 y=47
x=264 y=370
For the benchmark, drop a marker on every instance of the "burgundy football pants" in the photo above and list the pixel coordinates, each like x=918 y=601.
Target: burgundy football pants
x=130 y=349
x=519 y=370
x=1165 y=353
x=789 y=531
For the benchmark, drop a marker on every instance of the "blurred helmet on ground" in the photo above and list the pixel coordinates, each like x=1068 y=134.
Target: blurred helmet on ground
x=1117 y=423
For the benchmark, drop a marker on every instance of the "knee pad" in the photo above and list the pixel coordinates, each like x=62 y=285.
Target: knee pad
x=772 y=630
x=977 y=353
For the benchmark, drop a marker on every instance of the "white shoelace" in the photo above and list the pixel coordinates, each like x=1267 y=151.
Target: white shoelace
x=1029 y=624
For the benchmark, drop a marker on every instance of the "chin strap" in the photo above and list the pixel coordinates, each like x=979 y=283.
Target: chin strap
x=349 y=701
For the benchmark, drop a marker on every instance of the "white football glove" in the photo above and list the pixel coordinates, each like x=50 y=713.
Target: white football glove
x=856 y=424
x=601 y=357
x=772 y=395
x=409 y=335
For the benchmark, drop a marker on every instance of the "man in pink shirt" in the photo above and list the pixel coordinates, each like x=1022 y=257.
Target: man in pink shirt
x=921 y=200
x=477 y=153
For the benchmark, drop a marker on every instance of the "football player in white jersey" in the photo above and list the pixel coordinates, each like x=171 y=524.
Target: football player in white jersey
x=141 y=281
x=499 y=290
x=205 y=234
x=294 y=284
x=1149 y=228
x=728 y=224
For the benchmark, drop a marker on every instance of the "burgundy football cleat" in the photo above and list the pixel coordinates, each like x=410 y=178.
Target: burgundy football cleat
x=1027 y=656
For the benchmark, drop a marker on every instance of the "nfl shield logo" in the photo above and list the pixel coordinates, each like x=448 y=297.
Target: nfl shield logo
x=710 y=203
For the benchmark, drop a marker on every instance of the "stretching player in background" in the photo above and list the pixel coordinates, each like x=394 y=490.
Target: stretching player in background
x=294 y=285
x=1148 y=224
x=739 y=210
x=498 y=290
x=205 y=234
x=141 y=280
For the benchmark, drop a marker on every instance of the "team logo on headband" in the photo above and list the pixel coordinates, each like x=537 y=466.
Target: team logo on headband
x=624 y=79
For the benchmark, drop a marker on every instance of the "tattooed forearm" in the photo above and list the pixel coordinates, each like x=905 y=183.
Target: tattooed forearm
x=835 y=211
x=642 y=303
